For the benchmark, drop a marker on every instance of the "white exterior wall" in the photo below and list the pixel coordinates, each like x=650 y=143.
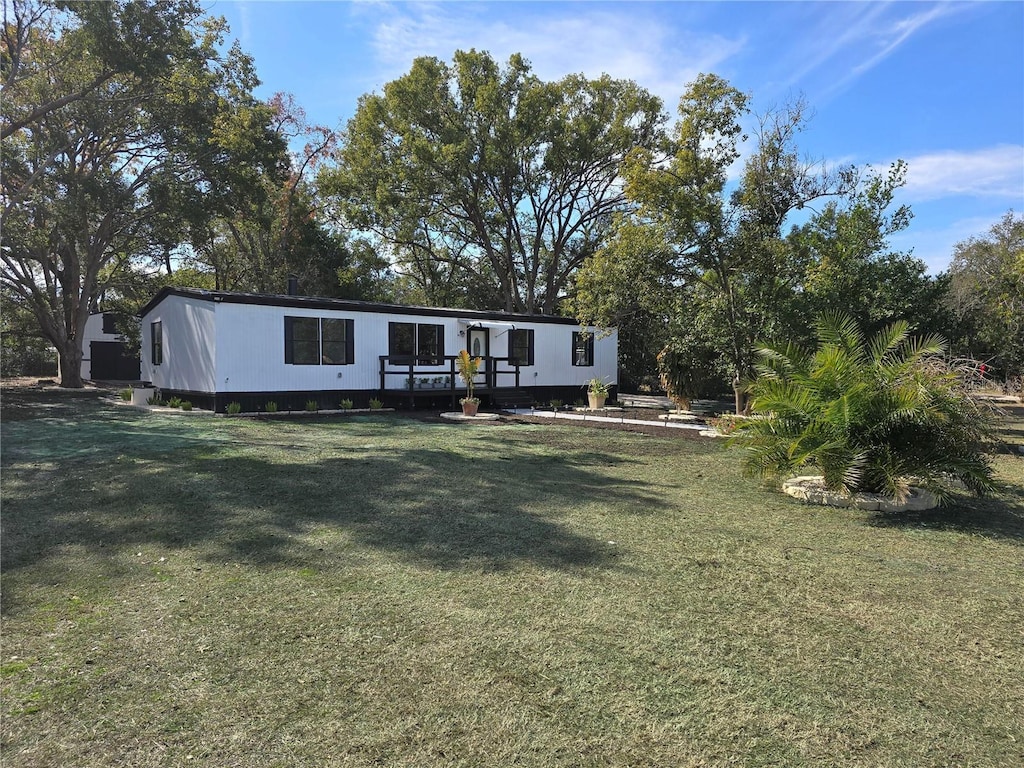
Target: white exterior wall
x=250 y=351
x=189 y=351
x=553 y=355
x=93 y=332
x=214 y=346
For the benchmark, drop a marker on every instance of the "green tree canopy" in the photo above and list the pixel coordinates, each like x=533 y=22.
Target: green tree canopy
x=126 y=129
x=849 y=267
x=987 y=295
x=489 y=186
x=707 y=251
x=723 y=277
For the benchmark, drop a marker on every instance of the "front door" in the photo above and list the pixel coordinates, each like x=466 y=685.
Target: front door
x=478 y=344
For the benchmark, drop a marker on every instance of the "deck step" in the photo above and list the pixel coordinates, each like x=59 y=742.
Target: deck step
x=510 y=398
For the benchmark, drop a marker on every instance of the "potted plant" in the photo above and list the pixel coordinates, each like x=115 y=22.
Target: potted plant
x=468 y=369
x=597 y=393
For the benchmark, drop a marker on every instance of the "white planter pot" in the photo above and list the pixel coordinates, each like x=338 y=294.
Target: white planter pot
x=141 y=394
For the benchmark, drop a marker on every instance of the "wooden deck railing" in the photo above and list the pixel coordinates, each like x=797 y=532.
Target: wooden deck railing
x=402 y=372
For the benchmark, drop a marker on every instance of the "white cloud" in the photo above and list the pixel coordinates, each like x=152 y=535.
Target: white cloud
x=557 y=40
x=955 y=195
x=850 y=39
x=989 y=172
x=843 y=26
x=245 y=33
x=894 y=35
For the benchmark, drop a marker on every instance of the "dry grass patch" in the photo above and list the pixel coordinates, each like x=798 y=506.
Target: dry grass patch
x=388 y=592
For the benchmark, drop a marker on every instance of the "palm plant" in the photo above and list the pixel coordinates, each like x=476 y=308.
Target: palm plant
x=468 y=367
x=875 y=416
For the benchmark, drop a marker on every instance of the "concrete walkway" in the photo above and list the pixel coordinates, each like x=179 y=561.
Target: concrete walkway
x=645 y=401
x=585 y=416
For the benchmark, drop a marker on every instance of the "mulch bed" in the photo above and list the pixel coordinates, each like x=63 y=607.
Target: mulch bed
x=655 y=428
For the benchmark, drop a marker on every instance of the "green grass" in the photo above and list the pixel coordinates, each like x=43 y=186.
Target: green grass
x=374 y=591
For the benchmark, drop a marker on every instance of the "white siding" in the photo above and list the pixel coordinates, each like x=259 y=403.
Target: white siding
x=250 y=351
x=93 y=332
x=188 y=345
x=236 y=347
x=553 y=358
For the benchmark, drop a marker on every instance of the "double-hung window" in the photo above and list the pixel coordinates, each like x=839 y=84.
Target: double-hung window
x=423 y=341
x=582 y=349
x=520 y=346
x=334 y=341
x=318 y=341
x=156 y=342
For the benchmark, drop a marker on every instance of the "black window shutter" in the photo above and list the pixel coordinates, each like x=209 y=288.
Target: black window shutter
x=529 y=346
x=440 y=345
x=289 y=351
x=590 y=349
x=350 y=345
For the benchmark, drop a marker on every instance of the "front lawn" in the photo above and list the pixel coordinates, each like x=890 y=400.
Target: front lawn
x=377 y=591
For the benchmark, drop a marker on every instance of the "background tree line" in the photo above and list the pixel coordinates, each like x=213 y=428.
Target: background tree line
x=136 y=156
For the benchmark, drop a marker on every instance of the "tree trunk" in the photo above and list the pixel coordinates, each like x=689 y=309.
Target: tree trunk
x=738 y=395
x=69 y=355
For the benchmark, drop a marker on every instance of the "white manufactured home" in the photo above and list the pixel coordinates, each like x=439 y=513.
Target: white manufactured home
x=218 y=347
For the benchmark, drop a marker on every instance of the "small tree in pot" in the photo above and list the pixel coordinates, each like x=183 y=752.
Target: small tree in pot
x=468 y=367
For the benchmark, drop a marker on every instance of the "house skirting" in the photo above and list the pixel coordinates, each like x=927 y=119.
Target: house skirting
x=427 y=399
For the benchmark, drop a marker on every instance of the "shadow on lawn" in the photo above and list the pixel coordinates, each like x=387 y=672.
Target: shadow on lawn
x=426 y=504
x=997 y=517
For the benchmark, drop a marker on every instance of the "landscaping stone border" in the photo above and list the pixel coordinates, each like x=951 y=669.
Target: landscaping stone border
x=811 y=488
x=459 y=416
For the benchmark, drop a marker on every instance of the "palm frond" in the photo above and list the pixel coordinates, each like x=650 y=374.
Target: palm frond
x=888 y=341
x=871 y=416
x=841 y=330
x=916 y=348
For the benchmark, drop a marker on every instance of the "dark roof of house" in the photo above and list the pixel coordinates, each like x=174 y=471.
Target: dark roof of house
x=349 y=305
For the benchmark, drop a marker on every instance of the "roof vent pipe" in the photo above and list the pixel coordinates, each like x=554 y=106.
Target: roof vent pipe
x=293 y=285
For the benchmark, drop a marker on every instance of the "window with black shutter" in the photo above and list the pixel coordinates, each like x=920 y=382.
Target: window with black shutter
x=401 y=339
x=305 y=341
x=430 y=344
x=424 y=341
x=333 y=345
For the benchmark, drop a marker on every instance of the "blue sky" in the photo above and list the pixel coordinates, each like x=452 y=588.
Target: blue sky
x=940 y=85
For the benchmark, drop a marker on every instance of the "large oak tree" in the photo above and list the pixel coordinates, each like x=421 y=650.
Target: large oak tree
x=487 y=185
x=125 y=129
